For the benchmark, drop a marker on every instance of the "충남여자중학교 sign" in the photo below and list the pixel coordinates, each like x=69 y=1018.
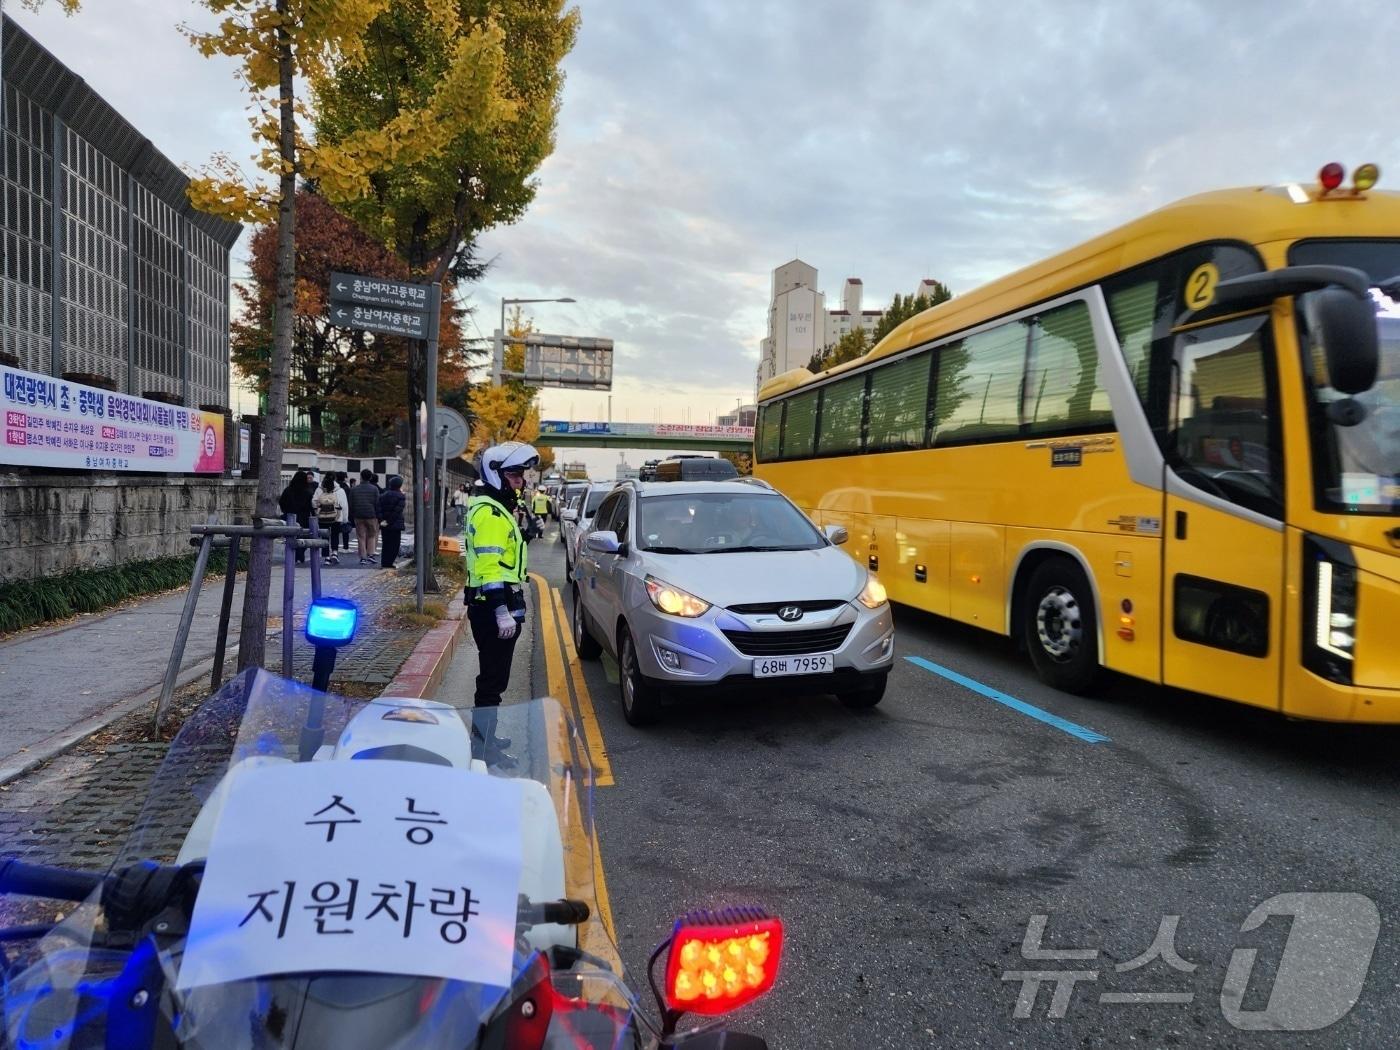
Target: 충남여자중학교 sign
x=380 y=319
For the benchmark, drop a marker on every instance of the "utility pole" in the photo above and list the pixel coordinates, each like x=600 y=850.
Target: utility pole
x=424 y=519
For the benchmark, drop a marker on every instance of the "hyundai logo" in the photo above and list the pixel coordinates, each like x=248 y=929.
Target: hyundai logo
x=790 y=613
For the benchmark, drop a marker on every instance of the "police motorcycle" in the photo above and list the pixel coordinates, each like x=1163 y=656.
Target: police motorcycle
x=280 y=889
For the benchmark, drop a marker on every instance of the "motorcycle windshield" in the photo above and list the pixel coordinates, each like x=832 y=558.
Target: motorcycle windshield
x=96 y=980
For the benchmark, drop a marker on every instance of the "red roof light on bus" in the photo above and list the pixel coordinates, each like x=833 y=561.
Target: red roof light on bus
x=1331 y=176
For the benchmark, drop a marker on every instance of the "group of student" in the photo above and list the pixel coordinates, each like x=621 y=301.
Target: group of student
x=342 y=504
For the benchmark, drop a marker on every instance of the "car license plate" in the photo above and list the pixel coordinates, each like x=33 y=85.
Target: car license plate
x=779 y=666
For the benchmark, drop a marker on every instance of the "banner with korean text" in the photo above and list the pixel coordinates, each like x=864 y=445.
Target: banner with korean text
x=51 y=422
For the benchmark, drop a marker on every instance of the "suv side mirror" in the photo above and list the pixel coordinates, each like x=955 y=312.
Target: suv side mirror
x=1346 y=327
x=603 y=542
x=568 y=514
x=837 y=534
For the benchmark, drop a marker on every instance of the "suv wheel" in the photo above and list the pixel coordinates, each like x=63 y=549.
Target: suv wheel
x=640 y=702
x=867 y=695
x=584 y=642
x=1060 y=627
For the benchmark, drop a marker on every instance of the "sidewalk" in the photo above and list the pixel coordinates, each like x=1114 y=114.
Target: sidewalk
x=60 y=683
x=79 y=807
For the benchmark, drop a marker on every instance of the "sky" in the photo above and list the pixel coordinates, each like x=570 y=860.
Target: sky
x=702 y=144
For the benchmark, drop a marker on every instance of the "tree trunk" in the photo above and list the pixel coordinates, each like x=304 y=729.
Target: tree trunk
x=252 y=635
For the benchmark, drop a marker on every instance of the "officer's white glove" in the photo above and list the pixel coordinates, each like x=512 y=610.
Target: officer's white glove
x=505 y=623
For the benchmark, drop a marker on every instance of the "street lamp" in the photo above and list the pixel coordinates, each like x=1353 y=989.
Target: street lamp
x=498 y=364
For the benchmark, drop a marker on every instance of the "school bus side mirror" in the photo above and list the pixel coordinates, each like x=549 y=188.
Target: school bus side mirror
x=1346 y=328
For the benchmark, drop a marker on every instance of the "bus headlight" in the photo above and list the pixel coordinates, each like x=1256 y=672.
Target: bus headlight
x=1329 y=613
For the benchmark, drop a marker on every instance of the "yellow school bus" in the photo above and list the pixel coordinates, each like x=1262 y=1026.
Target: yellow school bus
x=1173 y=451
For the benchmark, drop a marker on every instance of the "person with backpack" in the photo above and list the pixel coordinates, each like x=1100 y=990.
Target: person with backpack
x=328 y=514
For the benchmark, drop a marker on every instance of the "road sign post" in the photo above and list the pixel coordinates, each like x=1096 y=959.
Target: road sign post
x=377 y=304
x=429 y=531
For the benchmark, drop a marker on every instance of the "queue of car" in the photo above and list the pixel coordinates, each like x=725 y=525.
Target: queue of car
x=702 y=581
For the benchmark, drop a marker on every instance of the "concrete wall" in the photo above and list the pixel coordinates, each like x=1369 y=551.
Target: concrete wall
x=51 y=524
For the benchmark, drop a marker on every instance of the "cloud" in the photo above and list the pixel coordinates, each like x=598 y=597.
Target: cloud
x=702 y=144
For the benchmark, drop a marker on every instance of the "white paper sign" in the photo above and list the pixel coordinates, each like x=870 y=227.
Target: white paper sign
x=377 y=866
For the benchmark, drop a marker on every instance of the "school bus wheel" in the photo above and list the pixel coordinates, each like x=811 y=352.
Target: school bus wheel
x=1060 y=629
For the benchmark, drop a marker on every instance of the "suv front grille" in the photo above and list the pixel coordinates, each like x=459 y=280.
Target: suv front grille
x=773 y=607
x=789 y=643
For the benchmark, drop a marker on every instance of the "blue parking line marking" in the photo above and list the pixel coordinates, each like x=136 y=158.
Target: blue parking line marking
x=1089 y=736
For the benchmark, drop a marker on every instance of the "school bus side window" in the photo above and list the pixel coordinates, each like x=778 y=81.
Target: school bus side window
x=770 y=431
x=979 y=386
x=1062 y=393
x=800 y=426
x=898 y=404
x=842 y=415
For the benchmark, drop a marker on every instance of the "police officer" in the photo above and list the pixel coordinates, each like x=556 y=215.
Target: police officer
x=540 y=503
x=496 y=563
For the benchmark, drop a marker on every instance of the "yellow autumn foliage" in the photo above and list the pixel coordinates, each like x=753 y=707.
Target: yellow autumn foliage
x=324 y=36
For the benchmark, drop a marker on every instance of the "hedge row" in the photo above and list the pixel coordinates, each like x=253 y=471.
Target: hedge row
x=29 y=602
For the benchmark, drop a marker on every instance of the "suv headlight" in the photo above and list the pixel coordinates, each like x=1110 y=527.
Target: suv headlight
x=674 y=601
x=873 y=594
x=1329 y=609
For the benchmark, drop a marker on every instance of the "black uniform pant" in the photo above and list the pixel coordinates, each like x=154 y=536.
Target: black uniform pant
x=495 y=654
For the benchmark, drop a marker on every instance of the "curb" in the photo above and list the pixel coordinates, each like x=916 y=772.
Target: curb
x=423 y=671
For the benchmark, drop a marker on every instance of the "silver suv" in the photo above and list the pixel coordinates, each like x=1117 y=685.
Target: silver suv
x=726 y=583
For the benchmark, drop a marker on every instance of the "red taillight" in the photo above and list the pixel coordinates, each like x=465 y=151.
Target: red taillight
x=721 y=960
x=1331 y=176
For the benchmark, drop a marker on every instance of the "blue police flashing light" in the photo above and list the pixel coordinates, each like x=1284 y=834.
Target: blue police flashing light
x=331 y=622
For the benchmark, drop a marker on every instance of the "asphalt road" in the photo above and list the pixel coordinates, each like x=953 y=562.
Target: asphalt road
x=909 y=849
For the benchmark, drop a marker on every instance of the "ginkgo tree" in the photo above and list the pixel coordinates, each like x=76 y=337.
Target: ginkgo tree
x=433 y=210
x=279 y=43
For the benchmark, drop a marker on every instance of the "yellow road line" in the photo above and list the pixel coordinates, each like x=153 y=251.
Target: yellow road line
x=554 y=664
x=590 y=884
x=581 y=880
x=592 y=731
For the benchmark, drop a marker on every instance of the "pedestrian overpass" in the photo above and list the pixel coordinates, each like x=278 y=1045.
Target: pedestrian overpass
x=557 y=433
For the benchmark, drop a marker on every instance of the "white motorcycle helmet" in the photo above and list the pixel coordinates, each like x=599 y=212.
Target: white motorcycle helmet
x=512 y=455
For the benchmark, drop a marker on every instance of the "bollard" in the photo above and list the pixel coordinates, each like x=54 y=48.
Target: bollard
x=182 y=631
x=289 y=576
x=225 y=609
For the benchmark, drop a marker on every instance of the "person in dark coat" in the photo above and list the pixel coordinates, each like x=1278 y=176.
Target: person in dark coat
x=391 y=504
x=364 y=512
x=296 y=499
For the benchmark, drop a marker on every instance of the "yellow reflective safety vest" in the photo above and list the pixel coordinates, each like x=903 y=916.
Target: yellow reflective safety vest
x=494 y=549
x=541 y=502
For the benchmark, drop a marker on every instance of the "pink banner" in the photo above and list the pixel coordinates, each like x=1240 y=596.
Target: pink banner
x=54 y=423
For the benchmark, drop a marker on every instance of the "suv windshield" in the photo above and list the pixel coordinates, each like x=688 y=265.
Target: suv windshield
x=1357 y=468
x=723 y=522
